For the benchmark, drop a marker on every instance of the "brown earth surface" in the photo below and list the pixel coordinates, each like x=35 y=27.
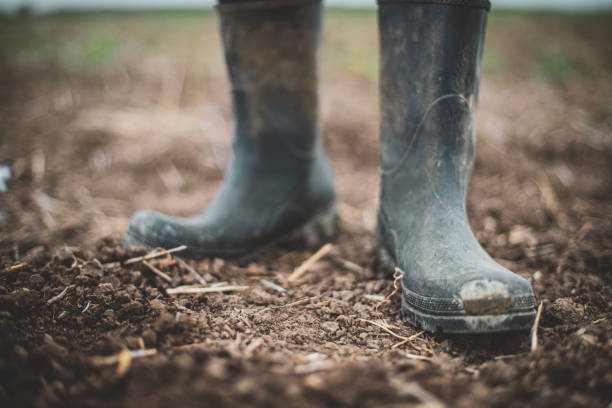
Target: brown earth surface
x=103 y=114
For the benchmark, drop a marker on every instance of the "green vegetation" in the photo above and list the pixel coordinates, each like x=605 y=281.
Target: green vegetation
x=351 y=43
x=23 y=289
x=555 y=47
x=493 y=62
x=100 y=47
x=559 y=63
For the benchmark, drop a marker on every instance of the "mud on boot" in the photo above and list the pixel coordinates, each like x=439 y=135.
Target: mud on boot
x=430 y=66
x=279 y=185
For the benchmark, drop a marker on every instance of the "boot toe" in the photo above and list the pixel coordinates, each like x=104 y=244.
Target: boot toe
x=501 y=292
x=485 y=296
x=143 y=231
x=478 y=300
x=130 y=241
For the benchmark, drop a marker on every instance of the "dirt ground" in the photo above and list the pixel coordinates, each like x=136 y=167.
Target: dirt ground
x=103 y=114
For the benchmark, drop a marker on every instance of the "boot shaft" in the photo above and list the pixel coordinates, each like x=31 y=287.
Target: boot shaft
x=429 y=75
x=272 y=51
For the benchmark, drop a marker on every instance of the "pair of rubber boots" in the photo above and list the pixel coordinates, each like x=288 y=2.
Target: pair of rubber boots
x=280 y=186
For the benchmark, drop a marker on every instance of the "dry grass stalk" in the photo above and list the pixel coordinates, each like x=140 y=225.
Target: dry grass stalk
x=111 y=265
x=507 y=356
x=351 y=266
x=272 y=285
x=157 y=271
x=375 y=298
x=297 y=302
x=319 y=365
x=307 y=264
x=155 y=254
x=416 y=357
x=125 y=362
x=15 y=267
x=401 y=343
x=114 y=359
x=192 y=271
x=547 y=192
x=141 y=343
x=167 y=262
x=427 y=349
x=397 y=275
x=97 y=262
x=197 y=290
x=385 y=327
x=60 y=295
x=250 y=269
x=534 y=329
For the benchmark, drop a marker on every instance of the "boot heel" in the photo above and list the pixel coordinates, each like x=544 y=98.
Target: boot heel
x=319 y=230
x=387 y=265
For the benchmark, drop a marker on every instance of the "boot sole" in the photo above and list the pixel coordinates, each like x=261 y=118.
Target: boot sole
x=445 y=323
x=467 y=323
x=321 y=228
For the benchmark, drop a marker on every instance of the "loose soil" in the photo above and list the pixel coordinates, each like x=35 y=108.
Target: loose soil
x=105 y=114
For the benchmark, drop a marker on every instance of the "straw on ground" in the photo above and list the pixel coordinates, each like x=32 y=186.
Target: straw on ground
x=308 y=263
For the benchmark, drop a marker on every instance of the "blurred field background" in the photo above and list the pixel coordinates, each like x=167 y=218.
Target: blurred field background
x=106 y=112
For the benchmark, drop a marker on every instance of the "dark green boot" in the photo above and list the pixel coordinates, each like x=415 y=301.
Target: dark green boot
x=430 y=67
x=279 y=186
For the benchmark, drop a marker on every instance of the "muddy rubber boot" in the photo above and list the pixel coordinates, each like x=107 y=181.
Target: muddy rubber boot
x=430 y=67
x=279 y=186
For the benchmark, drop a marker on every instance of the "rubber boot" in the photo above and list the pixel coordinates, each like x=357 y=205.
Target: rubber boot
x=279 y=186
x=430 y=67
